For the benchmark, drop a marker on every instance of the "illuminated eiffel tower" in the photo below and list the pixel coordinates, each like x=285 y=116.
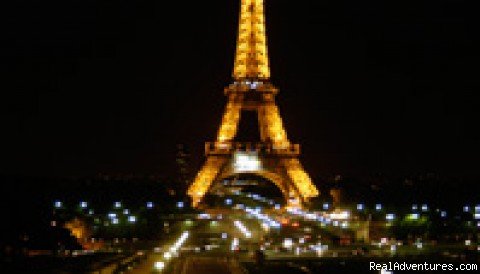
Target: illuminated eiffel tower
x=273 y=157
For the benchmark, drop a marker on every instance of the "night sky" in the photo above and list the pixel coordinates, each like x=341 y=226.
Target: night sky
x=112 y=86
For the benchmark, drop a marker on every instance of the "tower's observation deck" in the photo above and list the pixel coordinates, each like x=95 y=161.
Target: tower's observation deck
x=276 y=158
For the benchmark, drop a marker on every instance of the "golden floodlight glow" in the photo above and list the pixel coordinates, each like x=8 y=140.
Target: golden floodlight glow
x=251 y=59
x=274 y=158
x=230 y=119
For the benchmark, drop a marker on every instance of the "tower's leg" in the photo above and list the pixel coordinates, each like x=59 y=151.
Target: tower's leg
x=300 y=178
x=271 y=125
x=205 y=178
x=230 y=119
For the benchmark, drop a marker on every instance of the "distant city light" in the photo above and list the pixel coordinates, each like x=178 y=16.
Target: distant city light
x=58 y=204
x=112 y=215
x=360 y=206
x=224 y=235
x=287 y=243
x=204 y=216
x=234 y=245
x=159 y=265
x=414 y=207
x=476 y=216
x=115 y=221
x=466 y=209
x=117 y=205
x=179 y=204
x=326 y=206
x=149 y=204
x=297 y=250
x=132 y=219
x=378 y=207
x=91 y=212
x=393 y=248
x=83 y=204
x=413 y=216
x=342 y=215
x=424 y=207
x=126 y=211
x=228 y=201
x=477 y=208
x=239 y=206
x=443 y=214
x=277 y=206
x=390 y=217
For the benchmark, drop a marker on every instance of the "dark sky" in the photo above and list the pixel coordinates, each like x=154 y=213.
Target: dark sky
x=91 y=86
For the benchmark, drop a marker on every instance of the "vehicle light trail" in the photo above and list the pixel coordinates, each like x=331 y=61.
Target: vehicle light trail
x=238 y=224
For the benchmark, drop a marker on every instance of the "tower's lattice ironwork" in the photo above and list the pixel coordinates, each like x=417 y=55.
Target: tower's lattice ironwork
x=273 y=156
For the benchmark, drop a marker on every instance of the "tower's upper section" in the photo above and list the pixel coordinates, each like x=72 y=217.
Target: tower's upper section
x=251 y=58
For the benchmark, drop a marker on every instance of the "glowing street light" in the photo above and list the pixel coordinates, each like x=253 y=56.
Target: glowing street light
x=390 y=217
x=424 y=207
x=287 y=243
x=57 y=204
x=234 y=245
x=159 y=265
x=132 y=219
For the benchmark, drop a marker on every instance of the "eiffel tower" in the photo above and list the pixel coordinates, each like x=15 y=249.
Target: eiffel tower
x=273 y=157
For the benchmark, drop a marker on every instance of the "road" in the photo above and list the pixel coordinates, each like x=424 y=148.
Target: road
x=207 y=250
